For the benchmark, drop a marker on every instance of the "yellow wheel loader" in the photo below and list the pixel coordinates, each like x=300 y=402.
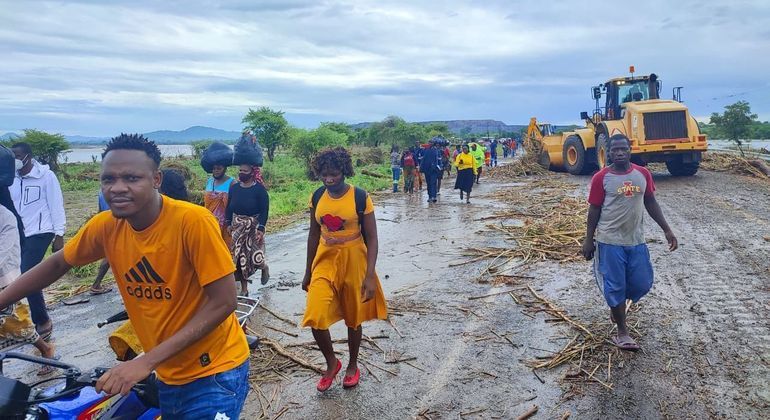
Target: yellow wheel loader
x=660 y=130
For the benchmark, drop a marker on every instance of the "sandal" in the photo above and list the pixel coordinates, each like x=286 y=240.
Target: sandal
x=100 y=290
x=351 y=381
x=625 y=343
x=47 y=370
x=325 y=383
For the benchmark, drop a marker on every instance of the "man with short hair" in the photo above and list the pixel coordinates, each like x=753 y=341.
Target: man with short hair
x=37 y=195
x=175 y=275
x=618 y=196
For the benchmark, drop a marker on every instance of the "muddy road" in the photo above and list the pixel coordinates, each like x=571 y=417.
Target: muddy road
x=704 y=329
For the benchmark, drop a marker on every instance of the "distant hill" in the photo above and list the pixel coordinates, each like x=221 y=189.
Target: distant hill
x=185 y=136
x=473 y=127
x=8 y=136
x=191 y=134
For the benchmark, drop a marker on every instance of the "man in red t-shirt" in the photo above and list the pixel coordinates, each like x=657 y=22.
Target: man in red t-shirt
x=618 y=196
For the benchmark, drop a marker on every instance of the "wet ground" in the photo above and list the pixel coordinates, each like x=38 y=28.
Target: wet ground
x=704 y=329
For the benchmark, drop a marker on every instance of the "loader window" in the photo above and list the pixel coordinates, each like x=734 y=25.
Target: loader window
x=632 y=92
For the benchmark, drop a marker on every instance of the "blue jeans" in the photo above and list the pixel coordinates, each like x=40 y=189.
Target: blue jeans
x=396 y=178
x=32 y=254
x=205 y=398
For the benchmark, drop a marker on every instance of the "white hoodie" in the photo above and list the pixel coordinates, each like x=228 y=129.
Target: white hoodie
x=39 y=201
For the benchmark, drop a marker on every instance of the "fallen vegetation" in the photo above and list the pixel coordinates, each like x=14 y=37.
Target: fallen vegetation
x=726 y=162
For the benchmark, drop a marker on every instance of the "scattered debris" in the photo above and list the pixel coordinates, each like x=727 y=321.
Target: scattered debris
x=726 y=162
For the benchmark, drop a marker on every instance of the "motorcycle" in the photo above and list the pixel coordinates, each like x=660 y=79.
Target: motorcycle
x=76 y=398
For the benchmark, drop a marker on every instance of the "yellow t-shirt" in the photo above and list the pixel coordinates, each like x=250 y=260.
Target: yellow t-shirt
x=465 y=161
x=161 y=272
x=337 y=216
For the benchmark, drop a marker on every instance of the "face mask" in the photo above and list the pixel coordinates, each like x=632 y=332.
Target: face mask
x=19 y=164
x=244 y=177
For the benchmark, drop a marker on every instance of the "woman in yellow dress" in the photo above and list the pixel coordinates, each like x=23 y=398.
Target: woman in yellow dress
x=340 y=278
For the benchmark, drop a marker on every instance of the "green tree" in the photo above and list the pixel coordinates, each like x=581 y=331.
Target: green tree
x=46 y=148
x=339 y=127
x=306 y=143
x=437 y=129
x=270 y=127
x=761 y=130
x=735 y=123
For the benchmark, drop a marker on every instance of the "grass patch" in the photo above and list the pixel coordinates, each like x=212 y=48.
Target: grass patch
x=286 y=179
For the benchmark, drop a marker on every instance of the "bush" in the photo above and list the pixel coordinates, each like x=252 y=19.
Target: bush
x=306 y=144
x=199 y=146
x=46 y=148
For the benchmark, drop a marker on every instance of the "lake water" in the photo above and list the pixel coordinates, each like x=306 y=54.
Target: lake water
x=84 y=154
x=88 y=154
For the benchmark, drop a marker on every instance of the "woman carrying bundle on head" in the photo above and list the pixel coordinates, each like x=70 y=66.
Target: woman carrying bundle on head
x=215 y=160
x=246 y=214
x=340 y=278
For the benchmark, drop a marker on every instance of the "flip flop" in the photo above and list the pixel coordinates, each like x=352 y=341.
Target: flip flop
x=77 y=299
x=629 y=345
x=100 y=290
x=47 y=370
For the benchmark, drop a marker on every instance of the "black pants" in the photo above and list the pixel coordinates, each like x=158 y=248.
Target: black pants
x=431 y=178
x=32 y=253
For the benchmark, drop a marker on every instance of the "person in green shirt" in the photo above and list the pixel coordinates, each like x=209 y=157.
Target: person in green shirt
x=477 y=151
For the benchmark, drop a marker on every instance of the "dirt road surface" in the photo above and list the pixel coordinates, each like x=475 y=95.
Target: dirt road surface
x=704 y=329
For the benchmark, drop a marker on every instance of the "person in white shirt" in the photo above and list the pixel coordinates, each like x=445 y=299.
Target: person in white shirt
x=38 y=199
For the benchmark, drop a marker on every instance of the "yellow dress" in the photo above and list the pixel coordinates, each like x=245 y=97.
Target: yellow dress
x=339 y=268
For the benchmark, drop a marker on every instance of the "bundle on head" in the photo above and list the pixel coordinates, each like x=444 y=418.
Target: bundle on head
x=216 y=154
x=248 y=152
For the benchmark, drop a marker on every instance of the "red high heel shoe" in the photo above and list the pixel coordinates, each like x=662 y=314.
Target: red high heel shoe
x=351 y=381
x=324 y=383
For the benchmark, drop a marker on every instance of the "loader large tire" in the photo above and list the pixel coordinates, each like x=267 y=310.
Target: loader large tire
x=677 y=167
x=602 y=150
x=575 y=157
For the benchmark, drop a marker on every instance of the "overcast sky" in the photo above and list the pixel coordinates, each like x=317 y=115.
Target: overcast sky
x=101 y=67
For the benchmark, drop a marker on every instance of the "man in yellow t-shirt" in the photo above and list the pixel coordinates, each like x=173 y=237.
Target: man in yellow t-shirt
x=175 y=275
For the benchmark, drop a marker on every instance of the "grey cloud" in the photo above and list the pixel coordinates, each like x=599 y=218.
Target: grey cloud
x=91 y=66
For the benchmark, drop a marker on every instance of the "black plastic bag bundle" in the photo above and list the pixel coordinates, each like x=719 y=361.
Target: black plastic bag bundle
x=216 y=154
x=248 y=152
x=7 y=167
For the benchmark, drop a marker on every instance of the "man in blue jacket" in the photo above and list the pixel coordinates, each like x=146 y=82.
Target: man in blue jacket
x=431 y=167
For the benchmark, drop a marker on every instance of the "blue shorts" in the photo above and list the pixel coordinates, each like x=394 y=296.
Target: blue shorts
x=219 y=396
x=623 y=272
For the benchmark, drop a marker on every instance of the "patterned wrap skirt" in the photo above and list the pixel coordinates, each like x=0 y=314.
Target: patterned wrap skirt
x=248 y=252
x=16 y=326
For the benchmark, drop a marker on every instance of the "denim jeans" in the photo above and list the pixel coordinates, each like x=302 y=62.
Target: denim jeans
x=217 y=396
x=396 y=177
x=32 y=254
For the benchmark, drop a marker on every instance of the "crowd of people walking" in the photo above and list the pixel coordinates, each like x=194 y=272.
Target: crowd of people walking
x=184 y=323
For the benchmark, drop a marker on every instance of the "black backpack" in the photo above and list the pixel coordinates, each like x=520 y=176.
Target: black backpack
x=360 y=197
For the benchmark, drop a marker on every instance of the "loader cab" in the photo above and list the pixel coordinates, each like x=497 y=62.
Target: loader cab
x=627 y=89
